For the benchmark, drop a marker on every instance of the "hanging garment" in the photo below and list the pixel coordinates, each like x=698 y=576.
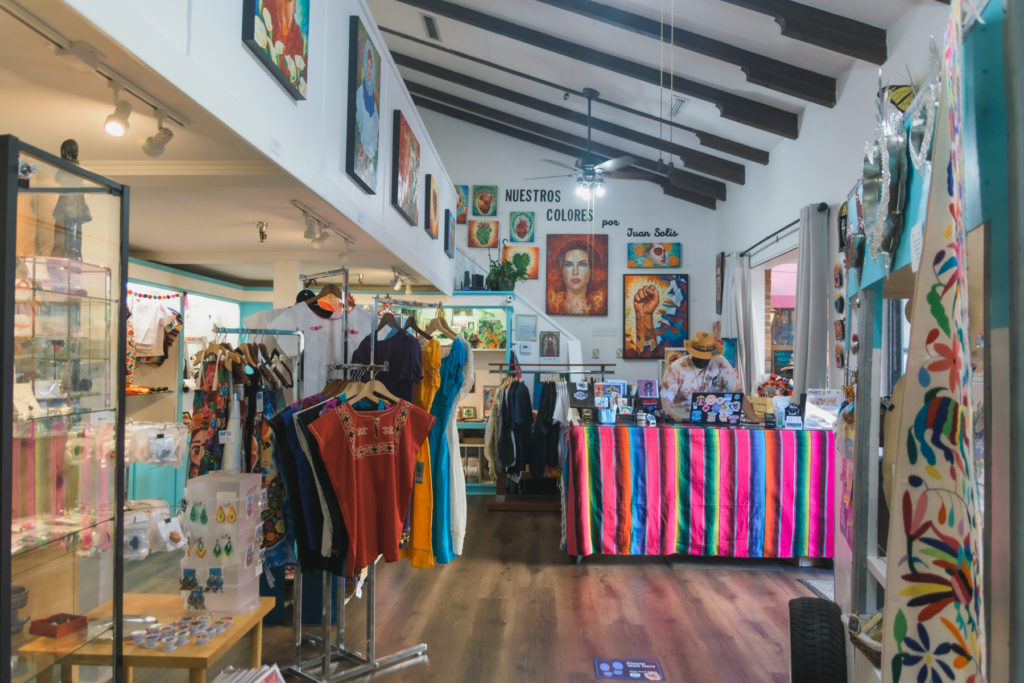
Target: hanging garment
x=493 y=428
x=405 y=362
x=371 y=461
x=278 y=524
x=209 y=416
x=420 y=552
x=516 y=420
x=457 y=495
x=440 y=449
x=560 y=416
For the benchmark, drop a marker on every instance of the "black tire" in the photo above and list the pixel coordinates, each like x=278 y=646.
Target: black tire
x=817 y=646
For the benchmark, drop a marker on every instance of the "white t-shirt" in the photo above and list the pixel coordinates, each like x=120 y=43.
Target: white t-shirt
x=149 y=325
x=324 y=338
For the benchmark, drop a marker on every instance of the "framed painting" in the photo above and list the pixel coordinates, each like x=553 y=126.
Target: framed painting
x=510 y=252
x=654 y=254
x=521 y=226
x=449 y=233
x=488 y=397
x=577 y=275
x=485 y=200
x=363 y=134
x=655 y=314
x=277 y=32
x=719 y=282
x=433 y=210
x=462 y=203
x=405 y=170
x=483 y=234
x=549 y=345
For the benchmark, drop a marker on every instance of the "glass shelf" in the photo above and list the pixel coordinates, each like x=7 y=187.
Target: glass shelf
x=34 y=662
x=73 y=414
x=49 y=296
x=64 y=530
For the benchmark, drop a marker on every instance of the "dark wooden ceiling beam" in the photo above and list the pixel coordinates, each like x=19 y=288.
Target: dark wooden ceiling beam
x=693 y=159
x=705 y=138
x=554 y=145
x=824 y=29
x=759 y=70
x=730 y=106
x=684 y=179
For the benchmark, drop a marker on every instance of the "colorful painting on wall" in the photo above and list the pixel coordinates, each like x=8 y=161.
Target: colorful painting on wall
x=655 y=314
x=433 y=212
x=508 y=253
x=654 y=254
x=521 y=226
x=549 y=344
x=483 y=234
x=449 y=233
x=462 y=194
x=277 y=32
x=363 y=134
x=485 y=200
x=577 y=275
x=719 y=281
x=405 y=170
x=488 y=397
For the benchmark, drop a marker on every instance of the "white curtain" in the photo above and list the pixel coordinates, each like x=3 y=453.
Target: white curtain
x=738 y=321
x=811 y=324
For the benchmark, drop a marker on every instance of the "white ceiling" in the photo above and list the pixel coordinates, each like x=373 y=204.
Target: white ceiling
x=198 y=204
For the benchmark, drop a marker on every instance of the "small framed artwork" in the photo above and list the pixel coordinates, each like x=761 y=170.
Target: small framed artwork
x=510 y=252
x=405 y=170
x=520 y=226
x=654 y=254
x=462 y=203
x=433 y=212
x=485 y=200
x=719 y=281
x=483 y=234
x=647 y=388
x=449 y=233
x=526 y=327
x=467 y=413
x=488 y=396
x=549 y=344
x=363 y=134
x=278 y=34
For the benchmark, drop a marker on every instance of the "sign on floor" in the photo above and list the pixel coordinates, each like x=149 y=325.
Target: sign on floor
x=628 y=670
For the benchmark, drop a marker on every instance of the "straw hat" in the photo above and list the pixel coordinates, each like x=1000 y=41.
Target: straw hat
x=703 y=345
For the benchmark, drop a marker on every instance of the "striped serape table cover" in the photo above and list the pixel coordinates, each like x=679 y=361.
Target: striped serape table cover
x=729 y=492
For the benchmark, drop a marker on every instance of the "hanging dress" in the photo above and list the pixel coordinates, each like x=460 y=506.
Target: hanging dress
x=209 y=415
x=420 y=551
x=440 y=450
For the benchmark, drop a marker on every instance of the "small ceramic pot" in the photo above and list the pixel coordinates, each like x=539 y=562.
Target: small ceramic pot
x=182 y=637
x=138 y=637
x=202 y=639
x=170 y=643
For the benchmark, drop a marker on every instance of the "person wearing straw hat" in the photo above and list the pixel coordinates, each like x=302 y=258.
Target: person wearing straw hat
x=702 y=369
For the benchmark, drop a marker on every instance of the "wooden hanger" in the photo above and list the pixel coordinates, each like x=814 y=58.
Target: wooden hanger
x=410 y=323
x=387 y=318
x=440 y=324
x=370 y=390
x=329 y=288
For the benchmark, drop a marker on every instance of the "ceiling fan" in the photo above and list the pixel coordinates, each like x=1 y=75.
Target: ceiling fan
x=591 y=170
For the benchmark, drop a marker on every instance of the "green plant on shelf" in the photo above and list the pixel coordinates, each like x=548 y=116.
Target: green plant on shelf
x=504 y=275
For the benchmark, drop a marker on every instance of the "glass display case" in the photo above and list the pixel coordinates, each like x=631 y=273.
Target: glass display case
x=62 y=334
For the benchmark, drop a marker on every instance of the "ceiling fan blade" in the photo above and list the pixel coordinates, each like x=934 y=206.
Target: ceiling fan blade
x=545 y=177
x=559 y=163
x=614 y=164
x=629 y=175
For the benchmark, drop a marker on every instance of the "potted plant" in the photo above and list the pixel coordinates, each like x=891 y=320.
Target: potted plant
x=503 y=275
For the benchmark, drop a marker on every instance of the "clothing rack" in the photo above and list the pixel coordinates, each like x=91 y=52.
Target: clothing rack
x=389 y=302
x=264 y=332
x=585 y=368
x=334 y=650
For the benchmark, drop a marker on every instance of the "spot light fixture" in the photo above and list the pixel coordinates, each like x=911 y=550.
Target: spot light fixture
x=117 y=122
x=154 y=145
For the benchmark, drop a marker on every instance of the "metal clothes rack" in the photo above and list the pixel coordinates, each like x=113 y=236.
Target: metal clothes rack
x=527 y=368
x=389 y=302
x=264 y=332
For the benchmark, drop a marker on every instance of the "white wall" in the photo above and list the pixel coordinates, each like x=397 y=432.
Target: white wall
x=197 y=47
x=827 y=160
x=475 y=155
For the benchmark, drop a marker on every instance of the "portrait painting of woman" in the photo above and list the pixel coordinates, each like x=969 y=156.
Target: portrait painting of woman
x=577 y=275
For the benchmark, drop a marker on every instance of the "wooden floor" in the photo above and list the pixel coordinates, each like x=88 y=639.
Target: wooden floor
x=514 y=608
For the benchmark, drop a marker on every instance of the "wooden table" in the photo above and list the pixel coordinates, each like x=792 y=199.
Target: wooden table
x=166 y=608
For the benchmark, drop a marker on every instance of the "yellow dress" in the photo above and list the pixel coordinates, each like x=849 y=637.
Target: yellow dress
x=420 y=551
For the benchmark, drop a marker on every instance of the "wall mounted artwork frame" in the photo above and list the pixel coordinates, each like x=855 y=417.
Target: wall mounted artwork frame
x=449 y=233
x=509 y=251
x=526 y=327
x=485 y=200
x=522 y=226
x=405 y=170
x=655 y=314
x=432 y=214
x=482 y=234
x=461 y=203
x=719 y=281
x=654 y=255
x=362 y=135
x=291 y=64
x=577 y=275
x=550 y=344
